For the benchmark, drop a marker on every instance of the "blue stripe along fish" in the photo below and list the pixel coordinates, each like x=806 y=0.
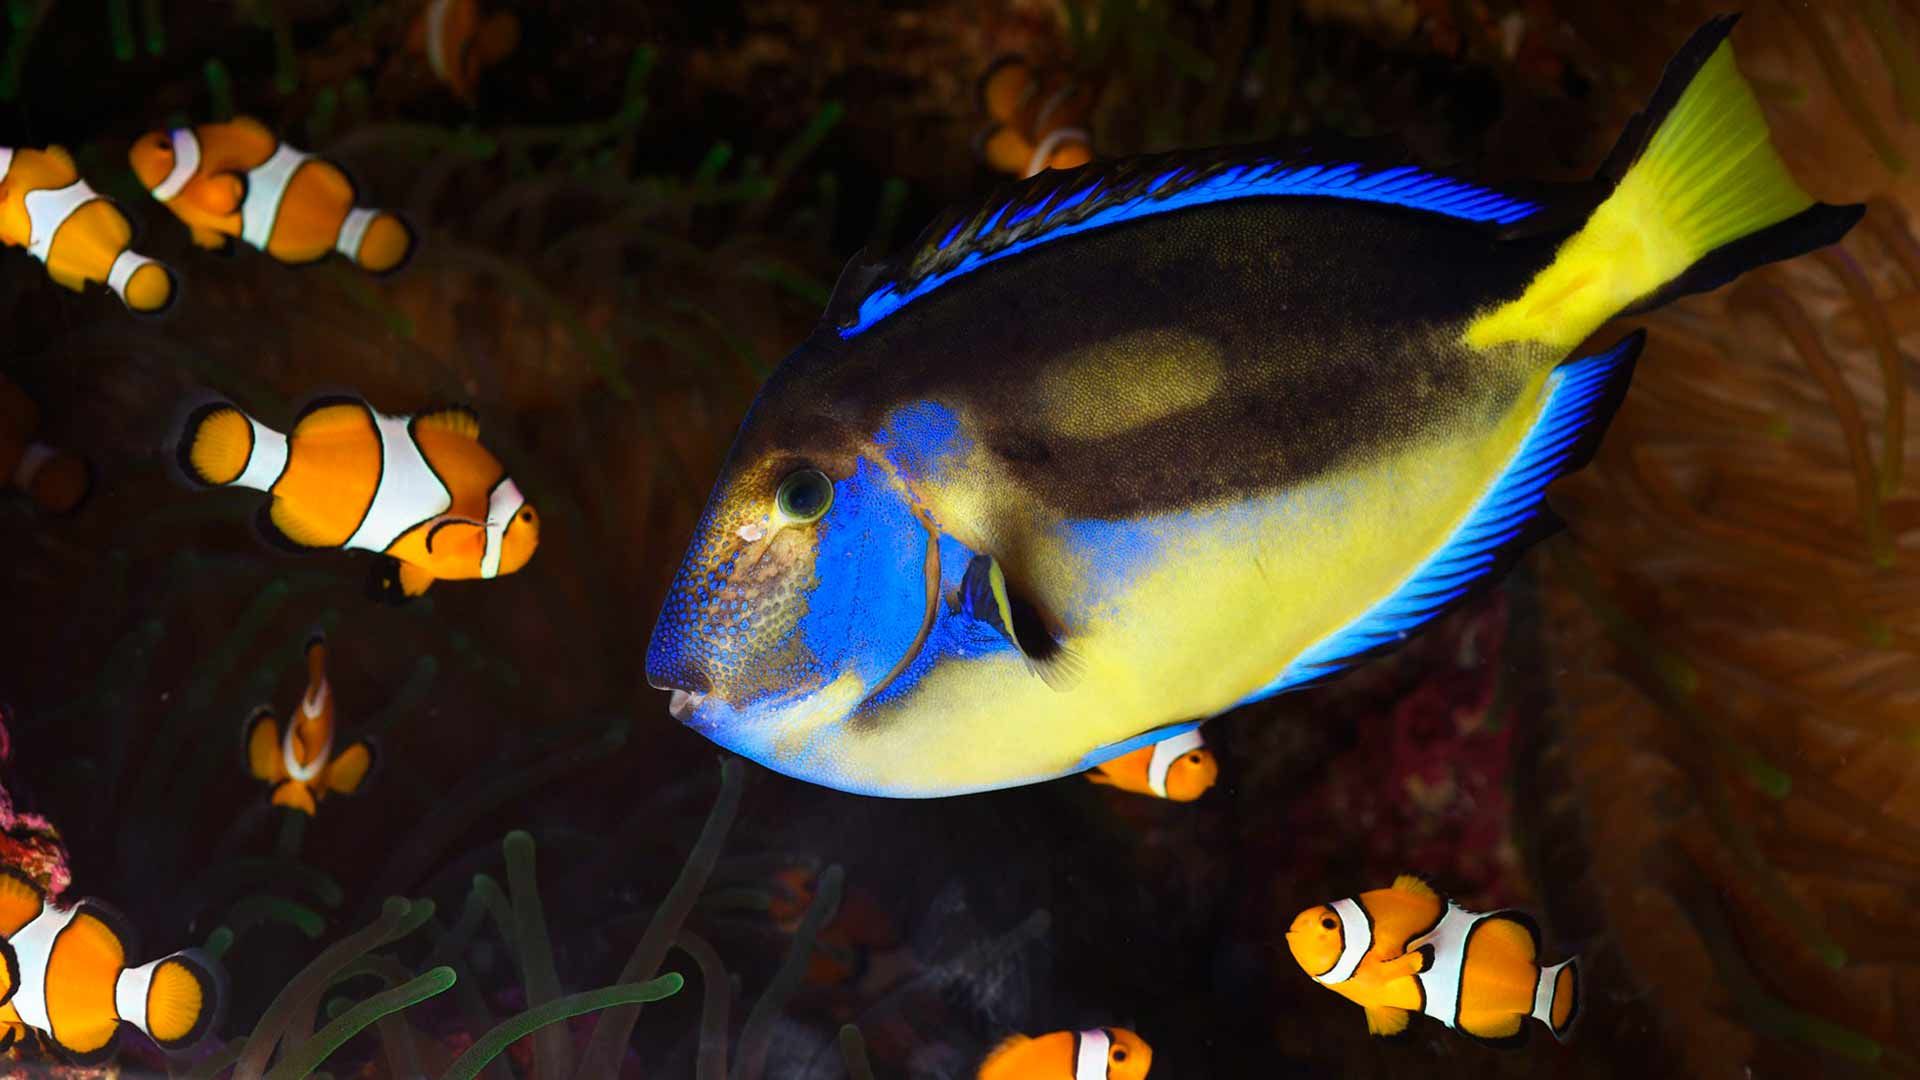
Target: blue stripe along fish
x=1129 y=445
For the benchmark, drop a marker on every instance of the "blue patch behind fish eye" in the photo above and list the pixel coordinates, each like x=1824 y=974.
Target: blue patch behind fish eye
x=955 y=636
x=1404 y=185
x=1574 y=399
x=870 y=596
x=922 y=439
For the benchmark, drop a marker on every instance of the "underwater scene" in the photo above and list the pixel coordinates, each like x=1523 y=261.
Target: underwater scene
x=933 y=540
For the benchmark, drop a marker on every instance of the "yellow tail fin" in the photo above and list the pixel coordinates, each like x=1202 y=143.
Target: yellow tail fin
x=182 y=999
x=1701 y=197
x=216 y=444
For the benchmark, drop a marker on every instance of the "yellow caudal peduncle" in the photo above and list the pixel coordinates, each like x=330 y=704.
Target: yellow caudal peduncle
x=1707 y=177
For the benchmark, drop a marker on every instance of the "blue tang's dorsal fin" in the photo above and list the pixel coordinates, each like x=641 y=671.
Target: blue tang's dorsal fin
x=1060 y=203
x=1510 y=516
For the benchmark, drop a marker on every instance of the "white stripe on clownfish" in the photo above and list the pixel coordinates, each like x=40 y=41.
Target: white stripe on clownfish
x=1165 y=753
x=266 y=461
x=504 y=502
x=353 y=230
x=409 y=491
x=48 y=209
x=304 y=772
x=1356 y=936
x=32 y=948
x=186 y=162
x=1440 y=982
x=32 y=460
x=266 y=186
x=1090 y=1054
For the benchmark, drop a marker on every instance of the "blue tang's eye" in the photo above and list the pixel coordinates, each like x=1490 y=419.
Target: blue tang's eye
x=804 y=496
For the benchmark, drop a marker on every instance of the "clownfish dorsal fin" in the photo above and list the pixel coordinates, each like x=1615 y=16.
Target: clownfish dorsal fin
x=985 y=595
x=457 y=419
x=1001 y=1049
x=1407 y=883
x=21 y=899
x=252 y=128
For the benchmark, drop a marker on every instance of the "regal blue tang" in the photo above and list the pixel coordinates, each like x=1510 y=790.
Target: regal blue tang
x=1129 y=445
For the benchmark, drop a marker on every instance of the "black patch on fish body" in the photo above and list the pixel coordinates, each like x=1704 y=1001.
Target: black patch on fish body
x=1335 y=325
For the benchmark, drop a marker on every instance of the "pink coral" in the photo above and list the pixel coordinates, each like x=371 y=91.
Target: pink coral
x=29 y=841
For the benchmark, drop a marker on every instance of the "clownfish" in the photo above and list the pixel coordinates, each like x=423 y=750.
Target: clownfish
x=237 y=180
x=67 y=979
x=459 y=44
x=301 y=763
x=55 y=479
x=1406 y=949
x=1095 y=1054
x=1038 y=123
x=421 y=490
x=79 y=233
x=1178 y=769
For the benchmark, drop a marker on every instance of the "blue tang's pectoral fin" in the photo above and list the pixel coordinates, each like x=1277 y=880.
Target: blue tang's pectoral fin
x=1581 y=397
x=985 y=596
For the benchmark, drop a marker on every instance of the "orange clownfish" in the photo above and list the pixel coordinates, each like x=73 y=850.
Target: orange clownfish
x=1038 y=122
x=1178 y=769
x=55 y=479
x=236 y=180
x=46 y=208
x=419 y=489
x=301 y=764
x=1096 y=1054
x=459 y=44
x=68 y=979
x=1405 y=949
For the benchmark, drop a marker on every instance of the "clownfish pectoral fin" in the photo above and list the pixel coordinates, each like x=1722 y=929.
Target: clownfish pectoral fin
x=458 y=538
x=350 y=768
x=1407 y=883
x=294 y=795
x=222 y=193
x=21 y=900
x=458 y=419
x=262 y=740
x=1386 y=1020
x=985 y=595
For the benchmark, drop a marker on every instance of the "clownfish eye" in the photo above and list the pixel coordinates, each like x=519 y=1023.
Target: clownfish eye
x=804 y=496
x=526 y=515
x=1327 y=923
x=1119 y=1053
x=166 y=144
x=1194 y=757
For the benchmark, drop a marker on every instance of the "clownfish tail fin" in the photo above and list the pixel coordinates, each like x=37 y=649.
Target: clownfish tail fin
x=174 y=1000
x=1556 y=997
x=378 y=241
x=219 y=445
x=145 y=285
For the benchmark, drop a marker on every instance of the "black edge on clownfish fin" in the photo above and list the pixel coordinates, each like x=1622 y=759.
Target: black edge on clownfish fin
x=383 y=583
